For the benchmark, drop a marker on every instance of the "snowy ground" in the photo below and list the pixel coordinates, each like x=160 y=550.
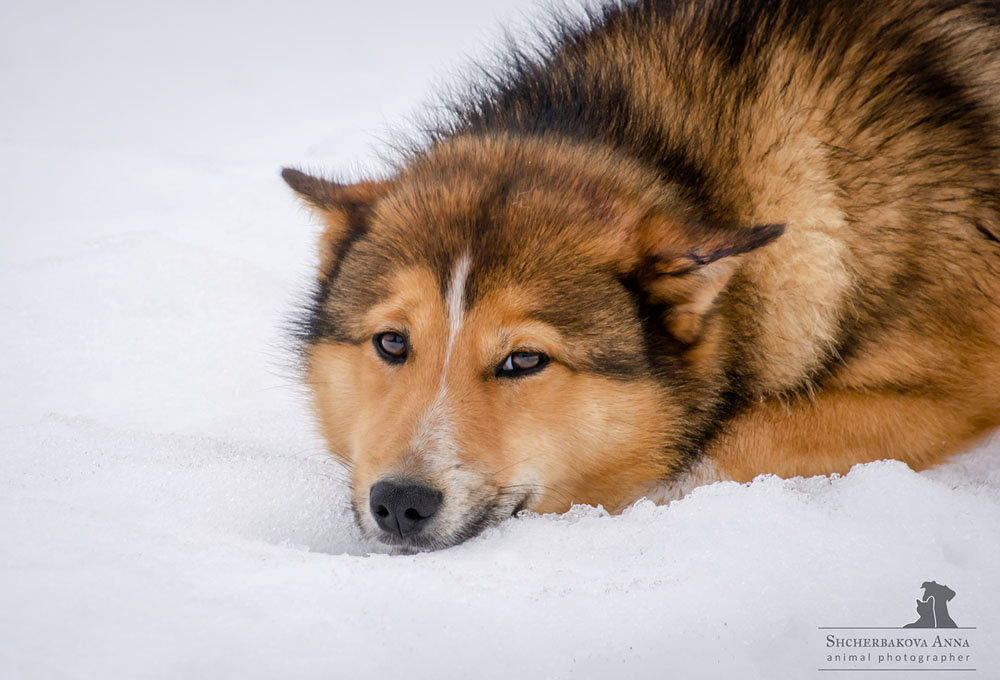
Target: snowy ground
x=166 y=509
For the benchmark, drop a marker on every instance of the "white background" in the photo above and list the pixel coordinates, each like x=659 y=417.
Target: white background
x=166 y=508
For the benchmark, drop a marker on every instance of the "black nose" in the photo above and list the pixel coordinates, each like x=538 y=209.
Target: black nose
x=403 y=509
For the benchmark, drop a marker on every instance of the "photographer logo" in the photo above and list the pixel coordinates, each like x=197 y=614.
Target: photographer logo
x=933 y=642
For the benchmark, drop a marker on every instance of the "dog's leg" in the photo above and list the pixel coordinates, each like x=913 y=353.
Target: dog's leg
x=831 y=432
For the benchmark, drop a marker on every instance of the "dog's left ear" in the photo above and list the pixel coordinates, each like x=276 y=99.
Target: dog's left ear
x=686 y=266
x=344 y=208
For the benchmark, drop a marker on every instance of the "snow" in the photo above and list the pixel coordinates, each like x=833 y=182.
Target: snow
x=166 y=507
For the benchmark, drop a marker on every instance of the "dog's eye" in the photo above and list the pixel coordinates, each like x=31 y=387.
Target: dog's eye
x=521 y=363
x=391 y=346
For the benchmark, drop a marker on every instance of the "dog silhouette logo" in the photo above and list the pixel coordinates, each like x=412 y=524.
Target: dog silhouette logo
x=932 y=609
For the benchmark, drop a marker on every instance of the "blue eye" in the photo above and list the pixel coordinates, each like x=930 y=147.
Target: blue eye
x=518 y=364
x=391 y=346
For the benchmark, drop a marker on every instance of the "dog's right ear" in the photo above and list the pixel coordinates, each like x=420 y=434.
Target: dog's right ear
x=344 y=208
x=688 y=264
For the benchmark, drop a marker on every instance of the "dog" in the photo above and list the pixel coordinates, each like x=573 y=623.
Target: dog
x=682 y=241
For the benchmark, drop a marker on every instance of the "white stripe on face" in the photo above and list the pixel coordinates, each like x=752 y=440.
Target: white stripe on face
x=434 y=438
x=455 y=303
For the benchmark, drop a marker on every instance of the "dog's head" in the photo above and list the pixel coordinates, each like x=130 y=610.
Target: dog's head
x=507 y=324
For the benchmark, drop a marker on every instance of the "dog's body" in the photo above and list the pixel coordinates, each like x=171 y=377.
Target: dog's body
x=693 y=240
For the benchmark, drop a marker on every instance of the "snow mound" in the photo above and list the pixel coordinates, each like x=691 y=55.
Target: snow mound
x=131 y=553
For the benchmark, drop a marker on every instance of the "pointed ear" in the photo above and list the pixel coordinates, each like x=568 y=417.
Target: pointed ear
x=687 y=265
x=344 y=208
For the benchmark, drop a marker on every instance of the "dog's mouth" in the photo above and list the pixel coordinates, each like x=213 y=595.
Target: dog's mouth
x=438 y=535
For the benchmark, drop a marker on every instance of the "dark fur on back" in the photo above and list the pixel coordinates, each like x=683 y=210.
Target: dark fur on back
x=580 y=83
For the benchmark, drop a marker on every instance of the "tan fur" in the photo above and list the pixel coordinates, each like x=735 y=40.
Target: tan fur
x=836 y=430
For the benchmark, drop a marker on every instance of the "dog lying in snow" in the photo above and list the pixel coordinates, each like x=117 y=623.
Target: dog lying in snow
x=687 y=240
